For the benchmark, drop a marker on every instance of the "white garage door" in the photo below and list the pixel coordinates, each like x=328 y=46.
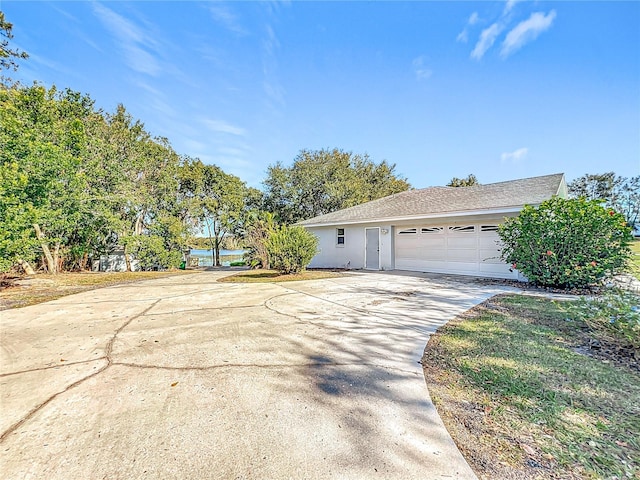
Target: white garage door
x=459 y=249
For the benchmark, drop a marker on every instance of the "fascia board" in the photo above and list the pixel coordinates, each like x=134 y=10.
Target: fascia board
x=464 y=213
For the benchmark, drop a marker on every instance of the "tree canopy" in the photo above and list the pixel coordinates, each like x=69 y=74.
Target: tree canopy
x=469 y=181
x=323 y=181
x=619 y=193
x=76 y=182
x=8 y=55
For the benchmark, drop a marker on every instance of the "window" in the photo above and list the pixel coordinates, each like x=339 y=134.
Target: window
x=432 y=230
x=340 y=236
x=408 y=231
x=488 y=228
x=462 y=229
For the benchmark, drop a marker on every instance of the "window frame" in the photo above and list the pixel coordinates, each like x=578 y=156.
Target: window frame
x=340 y=236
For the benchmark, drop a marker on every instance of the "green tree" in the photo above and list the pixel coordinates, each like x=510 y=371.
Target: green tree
x=324 y=181
x=77 y=181
x=620 y=193
x=469 y=181
x=566 y=242
x=215 y=200
x=259 y=226
x=8 y=55
x=291 y=249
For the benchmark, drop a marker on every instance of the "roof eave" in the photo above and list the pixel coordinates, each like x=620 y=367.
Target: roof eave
x=462 y=213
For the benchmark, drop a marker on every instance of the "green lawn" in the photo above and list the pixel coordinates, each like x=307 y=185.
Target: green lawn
x=522 y=400
x=635 y=259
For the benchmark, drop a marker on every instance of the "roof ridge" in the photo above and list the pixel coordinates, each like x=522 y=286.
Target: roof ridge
x=438 y=200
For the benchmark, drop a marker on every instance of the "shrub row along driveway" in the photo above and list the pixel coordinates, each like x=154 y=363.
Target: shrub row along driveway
x=184 y=377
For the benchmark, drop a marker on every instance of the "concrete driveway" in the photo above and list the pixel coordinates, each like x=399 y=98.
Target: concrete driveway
x=184 y=377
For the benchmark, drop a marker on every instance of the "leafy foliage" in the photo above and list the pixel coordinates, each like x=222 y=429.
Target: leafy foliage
x=324 y=181
x=614 y=316
x=215 y=199
x=566 y=242
x=151 y=253
x=619 y=193
x=76 y=182
x=260 y=226
x=8 y=55
x=291 y=249
x=469 y=181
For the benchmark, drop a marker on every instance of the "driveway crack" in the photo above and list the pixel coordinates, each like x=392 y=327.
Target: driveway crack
x=107 y=357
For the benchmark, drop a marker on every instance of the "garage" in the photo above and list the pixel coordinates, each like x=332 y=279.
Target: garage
x=452 y=230
x=461 y=249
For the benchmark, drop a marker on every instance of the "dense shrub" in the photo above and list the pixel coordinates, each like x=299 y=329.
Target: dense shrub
x=151 y=252
x=566 y=242
x=291 y=249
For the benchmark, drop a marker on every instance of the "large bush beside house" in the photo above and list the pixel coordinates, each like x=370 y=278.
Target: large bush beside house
x=566 y=242
x=151 y=252
x=291 y=249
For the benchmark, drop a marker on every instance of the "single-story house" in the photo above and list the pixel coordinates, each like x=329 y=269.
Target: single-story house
x=438 y=229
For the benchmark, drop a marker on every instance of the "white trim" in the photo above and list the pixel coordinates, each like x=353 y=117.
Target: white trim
x=365 y=248
x=417 y=217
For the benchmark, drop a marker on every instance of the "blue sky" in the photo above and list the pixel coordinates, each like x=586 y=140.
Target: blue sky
x=503 y=90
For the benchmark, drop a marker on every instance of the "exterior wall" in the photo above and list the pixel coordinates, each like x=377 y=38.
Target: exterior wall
x=482 y=248
x=116 y=263
x=332 y=255
x=352 y=253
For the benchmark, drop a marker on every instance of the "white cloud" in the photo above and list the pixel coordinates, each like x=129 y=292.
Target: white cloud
x=420 y=68
x=219 y=126
x=225 y=17
x=135 y=42
x=509 y=6
x=514 y=157
x=487 y=39
x=275 y=92
x=463 y=36
x=526 y=31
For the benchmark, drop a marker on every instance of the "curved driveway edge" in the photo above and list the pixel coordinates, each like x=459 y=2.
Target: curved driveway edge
x=184 y=377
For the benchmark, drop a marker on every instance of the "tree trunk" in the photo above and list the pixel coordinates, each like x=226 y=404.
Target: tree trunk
x=82 y=264
x=56 y=258
x=212 y=245
x=139 y=224
x=51 y=264
x=126 y=259
x=26 y=267
x=217 y=251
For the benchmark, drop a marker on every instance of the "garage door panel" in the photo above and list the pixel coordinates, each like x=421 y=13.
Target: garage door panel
x=469 y=241
x=489 y=256
x=451 y=251
x=496 y=270
x=462 y=255
x=431 y=243
x=493 y=242
x=431 y=254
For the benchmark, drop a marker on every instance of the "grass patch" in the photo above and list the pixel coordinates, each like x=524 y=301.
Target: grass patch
x=269 y=276
x=44 y=287
x=634 y=264
x=521 y=401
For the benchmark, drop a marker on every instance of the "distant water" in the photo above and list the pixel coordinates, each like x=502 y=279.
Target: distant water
x=203 y=258
x=223 y=253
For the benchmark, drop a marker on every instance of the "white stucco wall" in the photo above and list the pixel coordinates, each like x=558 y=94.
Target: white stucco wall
x=352 y=253
x=332 y=255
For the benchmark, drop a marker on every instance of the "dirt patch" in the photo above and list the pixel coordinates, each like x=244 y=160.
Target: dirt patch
x=22 y=291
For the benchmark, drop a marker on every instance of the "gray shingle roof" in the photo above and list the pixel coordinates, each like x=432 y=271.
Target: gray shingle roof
x=436 y=201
